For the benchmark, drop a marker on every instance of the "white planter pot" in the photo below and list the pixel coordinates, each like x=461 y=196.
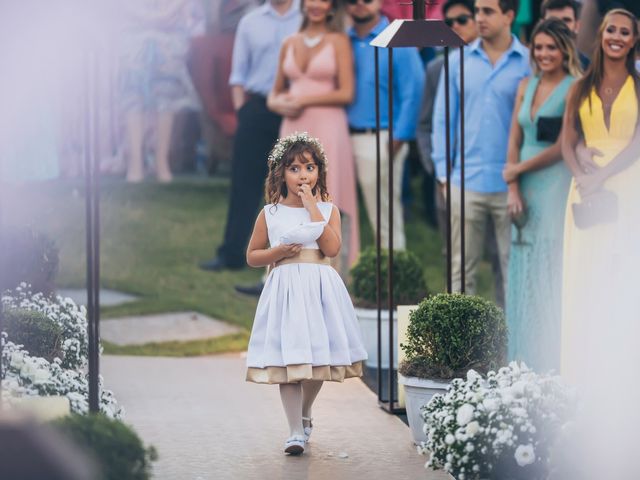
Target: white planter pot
x=418 y=392
x=368 y=319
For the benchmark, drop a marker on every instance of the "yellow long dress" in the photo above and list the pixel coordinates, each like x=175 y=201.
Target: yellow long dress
x=596 y=260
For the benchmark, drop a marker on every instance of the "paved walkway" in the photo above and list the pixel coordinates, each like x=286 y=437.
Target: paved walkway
x=208 y=423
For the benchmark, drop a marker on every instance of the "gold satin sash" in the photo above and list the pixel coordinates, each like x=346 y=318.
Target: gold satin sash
x=306 y=255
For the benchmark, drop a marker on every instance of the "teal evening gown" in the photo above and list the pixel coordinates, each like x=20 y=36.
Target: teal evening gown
x=534 y=281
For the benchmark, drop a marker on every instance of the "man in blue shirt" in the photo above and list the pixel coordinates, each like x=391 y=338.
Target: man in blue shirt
x=408 y=78
x=494 y=65
x=254 y=64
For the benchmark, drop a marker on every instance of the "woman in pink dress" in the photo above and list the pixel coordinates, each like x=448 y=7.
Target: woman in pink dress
x=313 y=84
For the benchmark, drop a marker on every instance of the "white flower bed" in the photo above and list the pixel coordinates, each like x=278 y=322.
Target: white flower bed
x=26 y=375
x=503 y=426
x=71 y=318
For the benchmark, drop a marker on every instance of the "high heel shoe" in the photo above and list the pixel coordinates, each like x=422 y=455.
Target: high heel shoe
x=309 y=429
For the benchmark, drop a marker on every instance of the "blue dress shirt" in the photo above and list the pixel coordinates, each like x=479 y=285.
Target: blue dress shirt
x=490 y=93
x=408 y=79
x=256 y=49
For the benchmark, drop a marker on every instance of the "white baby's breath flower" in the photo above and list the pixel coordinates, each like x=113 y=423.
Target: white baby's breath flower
x=473 y=428
x=465 y=414
x=473 y=375
x=491 y=404
x=525 y=455
x=449 y=439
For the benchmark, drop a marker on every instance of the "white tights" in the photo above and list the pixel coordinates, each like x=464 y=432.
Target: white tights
x=297 y=400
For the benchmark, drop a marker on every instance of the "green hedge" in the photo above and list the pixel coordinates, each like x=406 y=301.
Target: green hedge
x=120 y=453
x=409 y=285
x=39 y=335
x=449 y=334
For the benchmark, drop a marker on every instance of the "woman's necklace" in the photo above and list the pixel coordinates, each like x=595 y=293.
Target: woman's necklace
x=311 y=42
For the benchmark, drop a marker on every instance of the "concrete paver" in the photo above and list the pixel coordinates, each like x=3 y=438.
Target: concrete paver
x=208 y=423
x=166 y=327
x=108 y=298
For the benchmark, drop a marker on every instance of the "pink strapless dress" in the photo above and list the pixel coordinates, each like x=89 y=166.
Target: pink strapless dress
x=329 y=125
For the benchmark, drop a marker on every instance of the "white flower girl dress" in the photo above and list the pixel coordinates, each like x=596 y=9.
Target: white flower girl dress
x=305 y=326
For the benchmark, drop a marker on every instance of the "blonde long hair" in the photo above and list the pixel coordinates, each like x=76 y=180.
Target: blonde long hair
x=595 y=73
x=565 y=41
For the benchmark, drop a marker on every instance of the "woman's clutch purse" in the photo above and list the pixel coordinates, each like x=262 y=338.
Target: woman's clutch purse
x=549 y=129
x=598 y=208
x=303 y=234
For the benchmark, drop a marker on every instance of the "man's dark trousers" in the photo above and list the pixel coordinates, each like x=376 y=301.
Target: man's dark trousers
x=258 y=130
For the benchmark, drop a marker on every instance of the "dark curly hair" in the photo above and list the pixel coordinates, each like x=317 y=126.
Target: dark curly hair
x=275 y=185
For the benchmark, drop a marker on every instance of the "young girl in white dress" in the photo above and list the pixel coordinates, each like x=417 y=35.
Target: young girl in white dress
x=305 y=329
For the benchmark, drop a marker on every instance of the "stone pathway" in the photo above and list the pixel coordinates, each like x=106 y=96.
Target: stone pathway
x=208 y=423
x=182 y=327
x=108 y=298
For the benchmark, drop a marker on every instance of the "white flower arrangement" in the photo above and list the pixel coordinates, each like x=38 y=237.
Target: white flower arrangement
x=284 y=143
x=504 y=426
x=26 y=375
x=71 y=318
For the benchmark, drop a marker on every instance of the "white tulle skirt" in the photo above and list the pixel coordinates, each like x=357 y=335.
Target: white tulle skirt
x=305 y=328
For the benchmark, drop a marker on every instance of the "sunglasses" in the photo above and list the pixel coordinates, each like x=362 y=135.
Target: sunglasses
x=460 y=20
x=355 y=2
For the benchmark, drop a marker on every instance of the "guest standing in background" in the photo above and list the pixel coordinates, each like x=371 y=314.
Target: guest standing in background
x=539 y=182
x=498 y=61
x=408 y=78
x=313 y=85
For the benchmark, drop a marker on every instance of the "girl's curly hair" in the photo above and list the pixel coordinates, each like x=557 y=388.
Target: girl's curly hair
x=283 y=154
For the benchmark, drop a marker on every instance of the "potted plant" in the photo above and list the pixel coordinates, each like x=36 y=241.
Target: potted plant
x=448 y=334
x=409 y=288
x=504 y=426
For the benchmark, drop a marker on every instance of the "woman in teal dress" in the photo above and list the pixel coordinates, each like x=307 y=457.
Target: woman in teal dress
x=538 y=187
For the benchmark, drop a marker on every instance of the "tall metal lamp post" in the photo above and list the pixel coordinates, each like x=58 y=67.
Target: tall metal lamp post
x=412 y=33
x=92 y=217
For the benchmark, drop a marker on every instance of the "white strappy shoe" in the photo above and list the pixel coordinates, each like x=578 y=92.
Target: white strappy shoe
x=309 y=429
x=294 y=445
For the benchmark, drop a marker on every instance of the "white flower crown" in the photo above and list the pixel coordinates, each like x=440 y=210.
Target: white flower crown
x=284 y=143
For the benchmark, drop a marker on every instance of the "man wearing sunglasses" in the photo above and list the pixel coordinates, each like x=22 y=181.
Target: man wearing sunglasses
x=494 y=65
x=408 y=79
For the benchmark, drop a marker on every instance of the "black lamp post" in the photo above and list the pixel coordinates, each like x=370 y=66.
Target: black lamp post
x=412 y=33
x=92 y=199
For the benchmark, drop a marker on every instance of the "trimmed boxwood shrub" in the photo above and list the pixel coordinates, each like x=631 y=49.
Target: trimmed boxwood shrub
x=116 y=447
x=38 y=334
x=449 y=334
x=409 y=286
x=27 y=256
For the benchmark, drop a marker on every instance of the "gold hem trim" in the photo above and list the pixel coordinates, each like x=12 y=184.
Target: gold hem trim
x=299 y=373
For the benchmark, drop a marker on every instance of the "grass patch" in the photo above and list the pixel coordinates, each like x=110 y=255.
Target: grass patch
x=236 y=342
x=152 y=238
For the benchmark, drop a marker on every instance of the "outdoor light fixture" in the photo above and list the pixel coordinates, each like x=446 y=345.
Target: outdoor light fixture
x=418 y=33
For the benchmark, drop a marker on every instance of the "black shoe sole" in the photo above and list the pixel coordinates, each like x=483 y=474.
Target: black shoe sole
x=294 y=450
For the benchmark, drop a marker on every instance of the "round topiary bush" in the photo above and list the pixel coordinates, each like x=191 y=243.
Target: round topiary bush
x=37 y=333
x=409 y=284
x=117 y=447
x=449 y=334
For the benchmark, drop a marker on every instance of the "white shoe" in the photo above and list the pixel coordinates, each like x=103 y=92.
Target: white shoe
x=294 y=445
x=309 y=429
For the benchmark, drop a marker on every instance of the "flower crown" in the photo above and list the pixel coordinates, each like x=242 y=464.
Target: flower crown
x=283 y=144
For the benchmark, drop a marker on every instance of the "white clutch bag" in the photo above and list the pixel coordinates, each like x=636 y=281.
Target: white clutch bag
x=303 y=234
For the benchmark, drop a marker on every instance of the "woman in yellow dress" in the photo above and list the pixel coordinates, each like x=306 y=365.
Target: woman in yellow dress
x=600 y=144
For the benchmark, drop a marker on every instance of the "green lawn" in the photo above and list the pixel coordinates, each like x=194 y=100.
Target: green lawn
x=153 y=237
